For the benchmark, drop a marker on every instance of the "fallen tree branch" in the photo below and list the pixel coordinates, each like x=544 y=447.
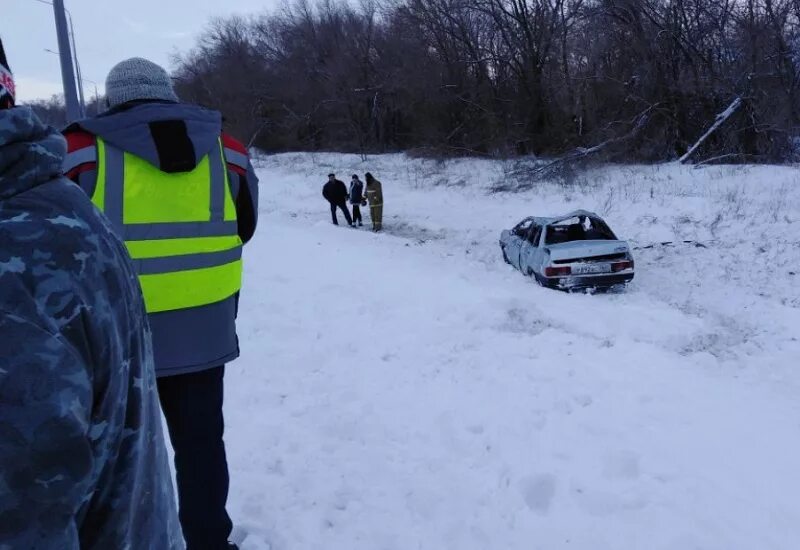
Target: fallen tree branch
x=257 y=133
x=720 y=120
x=713 y=160
x=639 y=122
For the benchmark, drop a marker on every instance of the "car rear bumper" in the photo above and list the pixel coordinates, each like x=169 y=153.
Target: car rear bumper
x=588 y=281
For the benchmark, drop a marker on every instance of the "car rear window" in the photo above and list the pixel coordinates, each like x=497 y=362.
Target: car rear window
x=578 y=229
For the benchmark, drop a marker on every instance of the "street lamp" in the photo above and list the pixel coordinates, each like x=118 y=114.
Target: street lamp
x=96 y=93
x=96 y=96
x=74 y=99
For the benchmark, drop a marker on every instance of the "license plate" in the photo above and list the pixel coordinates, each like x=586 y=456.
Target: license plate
x=588 y=269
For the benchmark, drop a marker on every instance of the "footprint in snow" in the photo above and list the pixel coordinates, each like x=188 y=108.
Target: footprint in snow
x=538 y=492
x=623 y=465
x=248 y=537
x=608 y=501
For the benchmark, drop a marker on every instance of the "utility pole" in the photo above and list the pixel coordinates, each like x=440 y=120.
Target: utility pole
x=77 y=64
x=74 y=111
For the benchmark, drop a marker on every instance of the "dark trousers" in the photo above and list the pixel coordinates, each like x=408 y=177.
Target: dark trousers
x=357 y=214
x=192 y=405
x=343 y=206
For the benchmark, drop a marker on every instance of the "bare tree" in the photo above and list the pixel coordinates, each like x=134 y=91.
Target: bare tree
x=506 y=77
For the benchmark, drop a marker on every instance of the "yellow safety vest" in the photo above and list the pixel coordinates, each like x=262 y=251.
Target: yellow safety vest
x=180 y=229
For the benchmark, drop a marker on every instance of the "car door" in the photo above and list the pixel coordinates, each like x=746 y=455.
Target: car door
x=516 y=241
x=529 y=249
x=537 y=258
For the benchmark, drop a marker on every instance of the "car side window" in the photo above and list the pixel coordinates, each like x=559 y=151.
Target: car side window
x=534 y=233
x=522 y=229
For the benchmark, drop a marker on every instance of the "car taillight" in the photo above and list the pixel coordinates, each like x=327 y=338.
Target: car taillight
x=621 y=266
x=557 y=271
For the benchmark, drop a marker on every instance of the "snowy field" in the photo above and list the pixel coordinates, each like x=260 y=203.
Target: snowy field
x=409 y=390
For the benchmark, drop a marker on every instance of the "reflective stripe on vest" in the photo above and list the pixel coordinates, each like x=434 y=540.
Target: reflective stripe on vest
x=180 y=229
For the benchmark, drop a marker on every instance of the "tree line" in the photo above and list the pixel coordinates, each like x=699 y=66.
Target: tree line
x=634 y=80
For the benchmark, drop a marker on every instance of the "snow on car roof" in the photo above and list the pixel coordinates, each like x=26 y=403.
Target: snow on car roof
x=549 y=220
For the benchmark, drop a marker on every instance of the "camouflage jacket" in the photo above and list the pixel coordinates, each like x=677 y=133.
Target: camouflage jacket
x=83 y=461
x=375 y=193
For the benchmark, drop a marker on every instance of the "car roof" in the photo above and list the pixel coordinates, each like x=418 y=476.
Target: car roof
x=549 y=220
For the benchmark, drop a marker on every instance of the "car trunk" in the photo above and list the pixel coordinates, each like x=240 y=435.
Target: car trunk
x=587 y=250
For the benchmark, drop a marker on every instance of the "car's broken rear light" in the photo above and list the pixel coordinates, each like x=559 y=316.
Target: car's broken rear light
x=557 y=271
x=621 y=266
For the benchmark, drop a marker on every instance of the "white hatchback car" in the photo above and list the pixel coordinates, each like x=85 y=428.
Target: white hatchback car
x=577 y=250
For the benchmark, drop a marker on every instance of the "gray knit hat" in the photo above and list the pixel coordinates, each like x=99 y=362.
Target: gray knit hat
x=138 y=78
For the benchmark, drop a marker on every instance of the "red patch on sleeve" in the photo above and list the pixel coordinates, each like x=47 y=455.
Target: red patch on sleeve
x=85 y=167
x=79 y=140
x=233 y=143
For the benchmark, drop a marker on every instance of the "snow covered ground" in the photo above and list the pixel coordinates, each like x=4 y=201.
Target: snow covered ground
x=409 y=390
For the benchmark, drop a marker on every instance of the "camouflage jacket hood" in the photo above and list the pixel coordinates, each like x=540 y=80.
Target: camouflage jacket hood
x=83 y=462
x=30 y=152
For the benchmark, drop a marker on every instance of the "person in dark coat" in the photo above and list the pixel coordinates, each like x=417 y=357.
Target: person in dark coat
x=357 y=199
x=83 y=461
x=180 y=181
x=336 y=194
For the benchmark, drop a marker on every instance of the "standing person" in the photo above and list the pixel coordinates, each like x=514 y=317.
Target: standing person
x=336 y=194
x=83 y=462
x=183 y=195
x=375 y=198
x=356 y=199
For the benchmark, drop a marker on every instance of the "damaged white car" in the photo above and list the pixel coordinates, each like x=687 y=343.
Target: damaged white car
x=574 y=251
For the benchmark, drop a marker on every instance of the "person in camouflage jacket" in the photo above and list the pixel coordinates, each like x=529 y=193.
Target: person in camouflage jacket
x=83 y=462
x=375 y=198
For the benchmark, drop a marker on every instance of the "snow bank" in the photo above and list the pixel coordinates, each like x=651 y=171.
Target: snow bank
x=409 y=390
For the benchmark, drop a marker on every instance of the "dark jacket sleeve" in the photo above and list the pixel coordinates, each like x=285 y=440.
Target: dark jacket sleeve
x=247 y=204
x=45 y=451
x=342 y=191
x=244 y=186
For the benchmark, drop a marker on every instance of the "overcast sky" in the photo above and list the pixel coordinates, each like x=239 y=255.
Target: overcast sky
x=107 y=31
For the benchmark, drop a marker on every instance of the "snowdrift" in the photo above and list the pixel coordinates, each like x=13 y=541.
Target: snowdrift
x=410 y=390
